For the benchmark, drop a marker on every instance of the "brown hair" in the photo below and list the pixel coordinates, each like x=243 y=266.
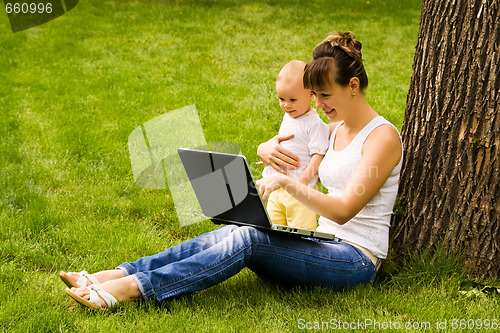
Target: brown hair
x=336 y=59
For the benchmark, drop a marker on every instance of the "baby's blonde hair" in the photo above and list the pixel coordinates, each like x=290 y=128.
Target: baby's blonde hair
x=292 y=71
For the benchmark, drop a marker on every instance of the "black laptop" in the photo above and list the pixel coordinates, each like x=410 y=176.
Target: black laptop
x=227 y=194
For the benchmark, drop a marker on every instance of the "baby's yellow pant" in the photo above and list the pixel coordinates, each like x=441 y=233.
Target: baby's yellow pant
x=284 y=209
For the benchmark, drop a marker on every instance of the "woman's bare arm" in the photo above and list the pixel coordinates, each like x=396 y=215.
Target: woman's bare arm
x=381 y=153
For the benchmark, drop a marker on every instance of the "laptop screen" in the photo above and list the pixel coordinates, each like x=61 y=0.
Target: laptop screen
x=224 y=187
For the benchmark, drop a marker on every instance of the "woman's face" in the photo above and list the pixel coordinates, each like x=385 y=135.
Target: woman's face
x=334 y=101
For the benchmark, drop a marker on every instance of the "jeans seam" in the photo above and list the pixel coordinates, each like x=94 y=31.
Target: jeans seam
x=317 y=264
x=125 y=268
x=147 y=295
x=314 y=255
x=362 y=255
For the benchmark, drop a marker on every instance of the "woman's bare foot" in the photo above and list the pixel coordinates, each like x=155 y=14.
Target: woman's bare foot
x=102 y=276
x=123 y=289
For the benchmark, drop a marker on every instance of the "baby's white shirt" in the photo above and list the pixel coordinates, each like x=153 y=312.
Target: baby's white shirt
x=311 y=136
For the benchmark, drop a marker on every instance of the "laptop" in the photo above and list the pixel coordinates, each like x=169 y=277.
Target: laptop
x=227 y=194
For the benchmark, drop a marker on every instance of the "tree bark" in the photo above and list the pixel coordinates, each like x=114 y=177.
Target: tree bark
x=449 y=187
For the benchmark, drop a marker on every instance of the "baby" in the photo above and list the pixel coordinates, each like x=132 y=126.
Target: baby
x=310 y=142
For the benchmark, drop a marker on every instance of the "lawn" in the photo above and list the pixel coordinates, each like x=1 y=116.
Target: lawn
x=73 y=89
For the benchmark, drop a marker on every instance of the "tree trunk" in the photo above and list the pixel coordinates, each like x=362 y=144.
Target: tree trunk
x=449 y=188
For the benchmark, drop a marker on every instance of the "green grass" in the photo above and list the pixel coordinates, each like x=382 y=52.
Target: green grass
x=72 y=90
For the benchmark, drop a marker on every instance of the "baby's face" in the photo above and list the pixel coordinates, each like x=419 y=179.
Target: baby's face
x=294 y=99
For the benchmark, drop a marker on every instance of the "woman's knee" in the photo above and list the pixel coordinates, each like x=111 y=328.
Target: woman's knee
x=227 y=227
x=249 y=234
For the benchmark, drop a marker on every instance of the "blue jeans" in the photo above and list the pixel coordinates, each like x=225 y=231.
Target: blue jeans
x=211 y=258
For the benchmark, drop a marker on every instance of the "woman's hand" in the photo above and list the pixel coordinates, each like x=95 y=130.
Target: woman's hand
x=269 y=184
x=271 y=153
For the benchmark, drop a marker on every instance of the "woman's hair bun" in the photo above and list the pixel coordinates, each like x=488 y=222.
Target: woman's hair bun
x=345 y=41
x=336 y=59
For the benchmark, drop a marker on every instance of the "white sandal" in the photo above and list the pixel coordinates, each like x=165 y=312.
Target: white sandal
x=81 y=282
x=94 y=302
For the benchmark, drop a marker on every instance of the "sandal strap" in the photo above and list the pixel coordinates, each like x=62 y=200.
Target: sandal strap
x=95 y=292
x=84 y=276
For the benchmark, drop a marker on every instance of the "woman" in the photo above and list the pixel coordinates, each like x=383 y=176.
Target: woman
x=360 y=171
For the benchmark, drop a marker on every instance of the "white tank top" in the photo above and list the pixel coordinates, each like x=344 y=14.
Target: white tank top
x=370 y=227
